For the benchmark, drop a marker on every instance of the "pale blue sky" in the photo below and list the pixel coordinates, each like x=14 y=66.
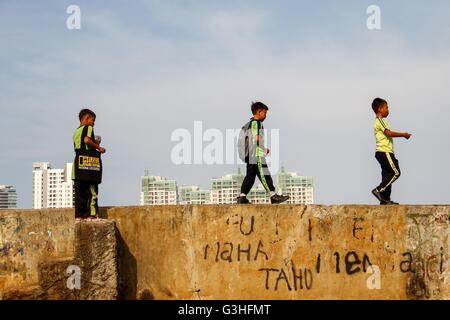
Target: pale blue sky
x=150 y=67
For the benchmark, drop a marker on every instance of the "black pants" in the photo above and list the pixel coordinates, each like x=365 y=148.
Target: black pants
x=86 y=201
x=261 y=170
x=390 y=171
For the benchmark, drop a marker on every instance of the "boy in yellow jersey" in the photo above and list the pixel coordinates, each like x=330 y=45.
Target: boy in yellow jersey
x=86 y=193
x=390 y=170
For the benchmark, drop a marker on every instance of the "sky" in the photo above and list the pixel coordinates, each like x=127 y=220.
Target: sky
x=149 y=68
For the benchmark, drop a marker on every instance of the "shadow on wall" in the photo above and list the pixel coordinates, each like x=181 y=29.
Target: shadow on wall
x=127 y=270
x=127 y=266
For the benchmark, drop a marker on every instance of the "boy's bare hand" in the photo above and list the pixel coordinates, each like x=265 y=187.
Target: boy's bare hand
x=266 y=150
x=101 y=150
x=407 y=135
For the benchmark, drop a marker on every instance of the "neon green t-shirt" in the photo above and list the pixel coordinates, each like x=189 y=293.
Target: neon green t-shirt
x=384 y=143
x=258 y=130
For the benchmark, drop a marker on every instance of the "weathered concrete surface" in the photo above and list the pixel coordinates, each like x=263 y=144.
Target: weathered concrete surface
x=95 y=254
x=26 y=238
x=43 y=249
x=284 y=252
x=230 y=252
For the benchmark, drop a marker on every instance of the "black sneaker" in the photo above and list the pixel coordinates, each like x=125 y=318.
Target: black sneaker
x=377 y=195
x=243 y=200
x=278 y=199
x=391 y=203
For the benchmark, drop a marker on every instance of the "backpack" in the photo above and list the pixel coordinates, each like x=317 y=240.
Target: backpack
x=244 y=142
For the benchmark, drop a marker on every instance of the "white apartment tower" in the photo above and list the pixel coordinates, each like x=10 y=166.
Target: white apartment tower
x=226 y=189
x=299 y=188
x=194 y=195
x=52 y=188
x=258 y=195
x=157 y=190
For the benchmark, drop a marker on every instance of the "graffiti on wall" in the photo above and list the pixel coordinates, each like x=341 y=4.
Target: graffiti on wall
x=360 y=257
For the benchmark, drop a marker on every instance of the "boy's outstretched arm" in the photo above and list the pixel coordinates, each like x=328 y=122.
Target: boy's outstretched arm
x=393 y=134
x=92 y=144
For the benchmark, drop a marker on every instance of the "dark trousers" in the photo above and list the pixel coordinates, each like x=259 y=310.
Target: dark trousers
x=86 y=199
x=260 y=170
x=390 y=171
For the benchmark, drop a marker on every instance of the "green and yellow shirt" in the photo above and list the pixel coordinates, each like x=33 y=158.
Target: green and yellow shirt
x=77 y=141
x=257 y=130
x=384 y=143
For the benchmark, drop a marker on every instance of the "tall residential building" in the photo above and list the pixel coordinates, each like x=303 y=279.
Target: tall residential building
x=194 y=195
x=52 y=188
x=258 y=195
x=157 y=190
x=299 y=188
x=8 y=197
x=226 y=189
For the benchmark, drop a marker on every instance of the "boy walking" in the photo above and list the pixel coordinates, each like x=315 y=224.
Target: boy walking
x=86 y=190
x=256 y=162
x=390 y=170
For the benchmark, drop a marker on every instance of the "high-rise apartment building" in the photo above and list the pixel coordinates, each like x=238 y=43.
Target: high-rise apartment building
x=52 y=188
x=194 y=195
x=156 y=190
x=8 y=197
x=299 y=188
x=226 y=189
x=258 y=195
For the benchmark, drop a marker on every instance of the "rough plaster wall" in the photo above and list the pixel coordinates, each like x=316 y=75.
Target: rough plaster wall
x=38 y=247
x=284 y=252
x=231 y=252
x=27 y=237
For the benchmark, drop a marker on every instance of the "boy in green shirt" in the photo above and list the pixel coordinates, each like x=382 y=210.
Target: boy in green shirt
x=86 y=203
x=390 y=170
x=256 y=162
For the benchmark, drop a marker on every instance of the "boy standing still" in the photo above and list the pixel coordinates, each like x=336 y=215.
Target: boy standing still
x=86 y=203
x=256 y=162
x=390 y=170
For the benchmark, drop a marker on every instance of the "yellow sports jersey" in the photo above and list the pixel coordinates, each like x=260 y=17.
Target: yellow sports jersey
x=384 y=143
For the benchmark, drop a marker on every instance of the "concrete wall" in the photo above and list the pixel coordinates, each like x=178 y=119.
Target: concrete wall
x=284 y=252
x=248 y=252
x=28 y=237
x=44 y=254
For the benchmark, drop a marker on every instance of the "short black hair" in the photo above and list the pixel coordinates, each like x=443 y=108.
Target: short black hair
x=377 y=103
x=84 y=112
x=256 y=106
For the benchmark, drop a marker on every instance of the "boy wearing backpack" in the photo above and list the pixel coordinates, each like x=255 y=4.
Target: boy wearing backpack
x=254 y=156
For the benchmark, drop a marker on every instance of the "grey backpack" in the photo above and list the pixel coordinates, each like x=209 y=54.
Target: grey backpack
x=244 y=142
